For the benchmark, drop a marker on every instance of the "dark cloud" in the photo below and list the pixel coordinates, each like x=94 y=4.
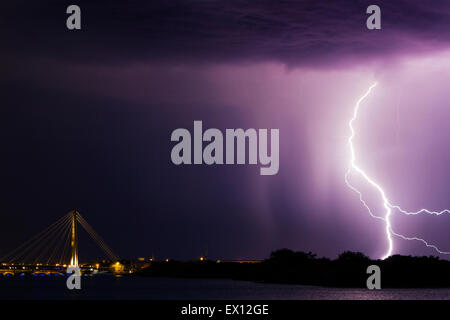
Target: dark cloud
x=293 y=32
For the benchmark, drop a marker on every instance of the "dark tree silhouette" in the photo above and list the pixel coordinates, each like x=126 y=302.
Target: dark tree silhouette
x=287 y=266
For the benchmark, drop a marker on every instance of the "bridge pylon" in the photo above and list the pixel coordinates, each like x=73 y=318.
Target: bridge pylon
x=74 y=240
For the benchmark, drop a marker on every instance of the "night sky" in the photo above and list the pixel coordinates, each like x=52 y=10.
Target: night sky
x=86 y=118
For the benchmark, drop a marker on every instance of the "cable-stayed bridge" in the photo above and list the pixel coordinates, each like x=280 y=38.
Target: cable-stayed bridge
x=53 y=249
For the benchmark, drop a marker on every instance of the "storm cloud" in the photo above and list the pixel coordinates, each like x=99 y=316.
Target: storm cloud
x=296 y=33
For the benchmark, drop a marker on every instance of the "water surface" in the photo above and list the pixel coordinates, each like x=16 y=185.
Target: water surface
x=134 y=287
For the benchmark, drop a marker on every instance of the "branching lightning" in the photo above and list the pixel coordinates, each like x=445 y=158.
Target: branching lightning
x=388 y=207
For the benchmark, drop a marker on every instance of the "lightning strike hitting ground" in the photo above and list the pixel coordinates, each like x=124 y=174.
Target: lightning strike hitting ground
x=386 y=204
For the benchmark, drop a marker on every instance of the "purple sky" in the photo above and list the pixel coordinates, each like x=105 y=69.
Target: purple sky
x=88 y=117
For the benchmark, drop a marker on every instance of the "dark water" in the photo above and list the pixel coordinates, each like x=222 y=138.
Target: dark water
x=132 y=287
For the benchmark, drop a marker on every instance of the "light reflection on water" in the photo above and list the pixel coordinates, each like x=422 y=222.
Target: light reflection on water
x=132 y=287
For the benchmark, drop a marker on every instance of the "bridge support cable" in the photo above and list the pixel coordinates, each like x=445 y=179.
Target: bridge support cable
x=26 y=247
x=98 y=240
x=58 y=243
x=46 y=245
x=41 y=246
x=66 y=249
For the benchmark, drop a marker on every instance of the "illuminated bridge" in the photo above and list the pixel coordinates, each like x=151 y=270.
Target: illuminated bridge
x=54 y=249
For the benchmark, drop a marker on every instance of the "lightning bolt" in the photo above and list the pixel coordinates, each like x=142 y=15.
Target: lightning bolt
x=388 y=207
